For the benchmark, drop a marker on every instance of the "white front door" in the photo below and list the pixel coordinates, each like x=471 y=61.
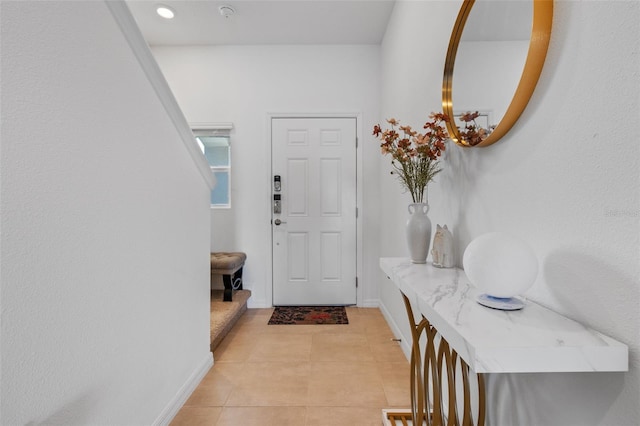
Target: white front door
x=314 y=236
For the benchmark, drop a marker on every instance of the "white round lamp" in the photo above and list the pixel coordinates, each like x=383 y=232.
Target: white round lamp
x=501 y=267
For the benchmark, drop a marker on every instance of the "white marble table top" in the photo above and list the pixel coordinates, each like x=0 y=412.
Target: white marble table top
x=532 y=340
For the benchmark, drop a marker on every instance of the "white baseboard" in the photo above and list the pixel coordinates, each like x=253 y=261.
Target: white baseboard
x=405 y=341
x=170 y=411
x=253 y=303
x=257 y=303
x=369 y=303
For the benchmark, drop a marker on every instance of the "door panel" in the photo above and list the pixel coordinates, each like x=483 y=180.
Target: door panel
x=331 y=187
x=298 y=187
x=314 y=236
x=330 y=246
x=298 y=259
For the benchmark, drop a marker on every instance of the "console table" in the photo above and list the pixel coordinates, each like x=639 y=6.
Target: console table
x=463 y=340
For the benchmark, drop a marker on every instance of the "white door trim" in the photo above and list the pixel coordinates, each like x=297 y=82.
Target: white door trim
x=359 y=191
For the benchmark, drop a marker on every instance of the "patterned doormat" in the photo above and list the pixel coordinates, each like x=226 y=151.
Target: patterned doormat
x=309 y=315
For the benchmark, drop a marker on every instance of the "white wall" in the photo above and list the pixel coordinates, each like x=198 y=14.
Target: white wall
x=243 y=85
x=105 y=228
x=565 y=179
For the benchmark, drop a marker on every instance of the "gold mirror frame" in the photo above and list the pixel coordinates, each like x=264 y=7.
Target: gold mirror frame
x=538 y=44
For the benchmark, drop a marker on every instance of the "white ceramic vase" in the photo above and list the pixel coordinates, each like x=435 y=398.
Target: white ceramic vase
x=418 y=232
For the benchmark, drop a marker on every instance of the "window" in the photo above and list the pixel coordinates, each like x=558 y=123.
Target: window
x=214 y=141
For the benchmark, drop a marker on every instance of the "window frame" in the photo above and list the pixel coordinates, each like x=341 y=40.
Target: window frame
x=222 y=130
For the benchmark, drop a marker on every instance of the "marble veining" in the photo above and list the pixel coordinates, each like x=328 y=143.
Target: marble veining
x=534 y=339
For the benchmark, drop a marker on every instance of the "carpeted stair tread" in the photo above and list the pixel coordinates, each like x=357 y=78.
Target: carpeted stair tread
x=225 y=314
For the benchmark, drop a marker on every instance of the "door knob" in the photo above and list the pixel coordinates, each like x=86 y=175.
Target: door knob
x=278 y=222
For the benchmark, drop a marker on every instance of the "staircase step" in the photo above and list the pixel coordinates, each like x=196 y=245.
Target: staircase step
x=224 y=315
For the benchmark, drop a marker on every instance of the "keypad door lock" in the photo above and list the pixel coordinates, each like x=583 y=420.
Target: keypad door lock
x=277 y=185
x=277 y=204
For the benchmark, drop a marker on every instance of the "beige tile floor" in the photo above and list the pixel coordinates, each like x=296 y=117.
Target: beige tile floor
x=302 y=375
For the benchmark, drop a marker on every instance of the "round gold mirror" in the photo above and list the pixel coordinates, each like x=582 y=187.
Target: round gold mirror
x=500 y=47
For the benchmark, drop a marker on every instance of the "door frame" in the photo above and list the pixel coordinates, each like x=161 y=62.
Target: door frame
x=359 y=191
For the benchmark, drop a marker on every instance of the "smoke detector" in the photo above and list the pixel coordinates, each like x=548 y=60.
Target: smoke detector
x=226 y=11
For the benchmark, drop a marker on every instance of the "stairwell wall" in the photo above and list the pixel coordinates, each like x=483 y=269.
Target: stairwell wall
x=105 y=228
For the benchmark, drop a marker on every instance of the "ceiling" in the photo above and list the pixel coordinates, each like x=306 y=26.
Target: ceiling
x=264 y=22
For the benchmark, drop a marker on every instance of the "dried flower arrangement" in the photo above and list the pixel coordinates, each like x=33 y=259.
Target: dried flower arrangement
x=415 y=156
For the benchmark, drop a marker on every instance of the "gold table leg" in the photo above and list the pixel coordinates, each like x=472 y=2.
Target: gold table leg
x=440 y=367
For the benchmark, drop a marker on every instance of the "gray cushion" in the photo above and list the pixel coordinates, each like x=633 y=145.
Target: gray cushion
x=226 y=263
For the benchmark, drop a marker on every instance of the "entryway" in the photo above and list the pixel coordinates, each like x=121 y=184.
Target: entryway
x=314 y=210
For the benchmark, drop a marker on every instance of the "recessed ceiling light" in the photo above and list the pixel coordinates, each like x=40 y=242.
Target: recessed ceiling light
x=165 y=11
